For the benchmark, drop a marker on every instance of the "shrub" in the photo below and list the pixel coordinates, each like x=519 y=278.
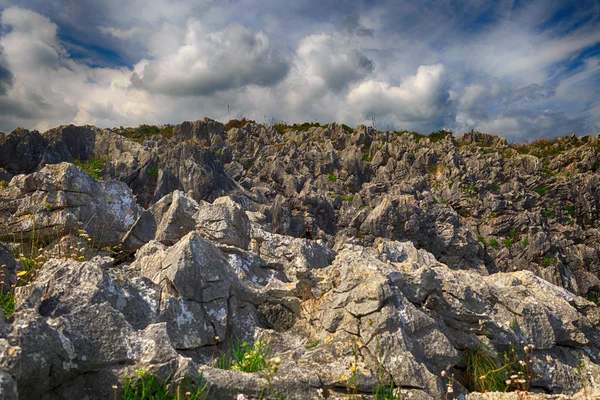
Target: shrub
x=525 y=242
x=143 y=132
x=481 y=239
x=238 y=123
x=507 y=243
x=439 y=135
x=512 y=234
x=347 y=129
x=349 y=198
x=332 y=178
x=542 y=190
x=470 y=189
x=494 y=242
x=245 y=357
x=366 y=158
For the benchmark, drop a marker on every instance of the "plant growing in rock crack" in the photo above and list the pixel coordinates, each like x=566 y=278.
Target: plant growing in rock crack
x=352 y=383
x=273 y=365
x=245 y=357
x=512 y=371
x=383 y=390
x=92 y=167
x=147 y=387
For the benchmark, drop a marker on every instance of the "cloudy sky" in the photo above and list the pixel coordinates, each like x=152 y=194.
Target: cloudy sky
x=520 y=69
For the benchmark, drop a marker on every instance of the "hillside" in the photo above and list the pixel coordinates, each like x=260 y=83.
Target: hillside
x=366 y=259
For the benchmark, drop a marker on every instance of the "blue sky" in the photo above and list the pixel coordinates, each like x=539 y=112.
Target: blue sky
x=520 y=69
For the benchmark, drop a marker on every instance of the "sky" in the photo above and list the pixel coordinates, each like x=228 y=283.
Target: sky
x=520 y=69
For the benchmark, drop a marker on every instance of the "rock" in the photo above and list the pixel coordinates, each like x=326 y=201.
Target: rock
x=8 y=269
x=61 y=198
x=8 y=387
x=224 y=222
x=167 y=221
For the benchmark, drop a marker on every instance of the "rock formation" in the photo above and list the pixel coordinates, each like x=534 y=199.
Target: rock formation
x=361 y=257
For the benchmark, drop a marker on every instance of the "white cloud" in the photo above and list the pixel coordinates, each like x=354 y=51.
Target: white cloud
x=421 y=97
x=120 y=33
x=210 y=62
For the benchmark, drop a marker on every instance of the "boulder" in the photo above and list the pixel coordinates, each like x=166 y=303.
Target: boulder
x=61 y=198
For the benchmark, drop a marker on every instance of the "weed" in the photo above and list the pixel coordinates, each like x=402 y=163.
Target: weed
x=494 y=214
x=445 y=202
x=439 y=135
x=332 y=178
x=92 y=167
x=570 y=210
x=547 y=213
x=245 y=357
x=481 y=239
x=349 y=198
x=512 y=234
x=7 y=302
x=384 y=391
x=238 y=123
x=548 y=261
x=470 y=189
x=507 y=243
x=494 y=242
x=525 y=242
x=366 y=158
x=153 y=172
x=542 y=190
x=147 y=387
x=312 y=345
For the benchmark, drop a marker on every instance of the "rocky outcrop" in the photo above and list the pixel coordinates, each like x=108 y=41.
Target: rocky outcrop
x=362 y=258
x=59 y=199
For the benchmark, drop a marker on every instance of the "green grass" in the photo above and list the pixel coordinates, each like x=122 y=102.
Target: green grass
x=245 y=357
x=548 y=261
x=349 y=198
x=542 y=190
x=147 y=387
x=312 y=345
x=347 y=129
x=153 y=172
x=367 y=158
x=470 y=189
x=332 y=178
x=143 y=132
x=7 y=302
x=482 y=363
x=92 y=167
x=525 y=242
x=547 y=213
x=570 y=210
x=512 y=234
x=481 y=239
x=494 y=242
x=507 y=243
x=238 y=123
x=439 y=135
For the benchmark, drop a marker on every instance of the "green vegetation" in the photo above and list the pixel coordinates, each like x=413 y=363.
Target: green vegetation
x=494 y=214
x=507 y=243
x=147 y=387
x=153 y=172
x=349 y=198
x=439 y=135
x=3 y=184
x=332 y=178
x=525 y=242
x=92 y=167
x=487 y=372
x=494 y=242
x=481 y=239
x=495 y=188
x=570 y=210
x=548 y=261
x=238 y=123
x=366 y=158
x=542 y=190
x=245 y=357
x=512 y=234
x=470 y=189
x=547 y=213
x=312 y=345
x=7 y=302
x=143 y=132
x=347 y=129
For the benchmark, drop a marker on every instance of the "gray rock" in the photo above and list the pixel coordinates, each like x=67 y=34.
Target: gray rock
x=224 y=222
